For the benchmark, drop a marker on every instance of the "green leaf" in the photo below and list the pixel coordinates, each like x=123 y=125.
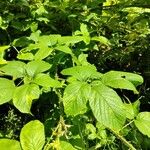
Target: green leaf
x=75 y=98
x=3 y=48
x=46 y=81
x=32 y=136
x=35 y=67
x=24 y=95
x=101 y=39
x=107 y=106
x=122 y=80
x=14 y=68
x=7 y=144
x=132 y=109
x=7 y=88
x=25 y=56
x=142 y=122
x=82 y=73
x=64 y=49
x=64 y=145
x=84 y=30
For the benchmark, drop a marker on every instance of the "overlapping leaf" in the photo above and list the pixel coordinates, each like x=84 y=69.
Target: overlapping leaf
x=75 y=98
x=24 y=95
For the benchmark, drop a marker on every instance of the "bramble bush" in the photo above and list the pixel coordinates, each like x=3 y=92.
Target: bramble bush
x=67 y=74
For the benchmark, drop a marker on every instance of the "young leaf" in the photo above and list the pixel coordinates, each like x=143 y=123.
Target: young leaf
x=35 y=67
x=142 y=122
x=32 y=136
x=14 y=68
x=24 y=95
x=46 y=81
x=107 y=106
x=75 y=98
x=7 y=88
x=7 y=144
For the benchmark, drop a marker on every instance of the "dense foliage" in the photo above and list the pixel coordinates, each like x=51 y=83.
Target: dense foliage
x=74 y=74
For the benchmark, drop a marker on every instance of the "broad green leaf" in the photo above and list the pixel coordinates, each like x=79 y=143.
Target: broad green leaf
x=7 y=88
x=25 y=56
x=75 y=98
x=43 y=52
x=142 y=122
x=64 y=145
x=46 y=81
x=7 y=144
x=64 y=49
x=101 y=39
x=14 y=68
x=24 y=95
x=21 y=42
x=32 y=136
x=3 y=48
x=107 y=106
x=122 y=80
x=35 y=67
x=82 y=73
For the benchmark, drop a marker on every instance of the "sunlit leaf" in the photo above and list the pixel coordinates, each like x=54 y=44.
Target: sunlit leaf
x=35 y=67
x=14 y=68
x=46 y=81
x=8 y=144
x=7 y=88
x=75 y=98
x=24 y=95
x=142 y=122
x=32 y=136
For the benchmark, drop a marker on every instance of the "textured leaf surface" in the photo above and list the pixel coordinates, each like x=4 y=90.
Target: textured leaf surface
x=107 y=106
x=82 y=73
x=7 y=88
x=117 y=75
x=24 y=95
x=32 y=136
x=142 y=122
x=75 y=98
x=35 y=67
x=7 y=144
x=14 y=68
x=46 y=81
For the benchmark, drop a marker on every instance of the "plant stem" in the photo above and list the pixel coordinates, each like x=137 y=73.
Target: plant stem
x=122 y=139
